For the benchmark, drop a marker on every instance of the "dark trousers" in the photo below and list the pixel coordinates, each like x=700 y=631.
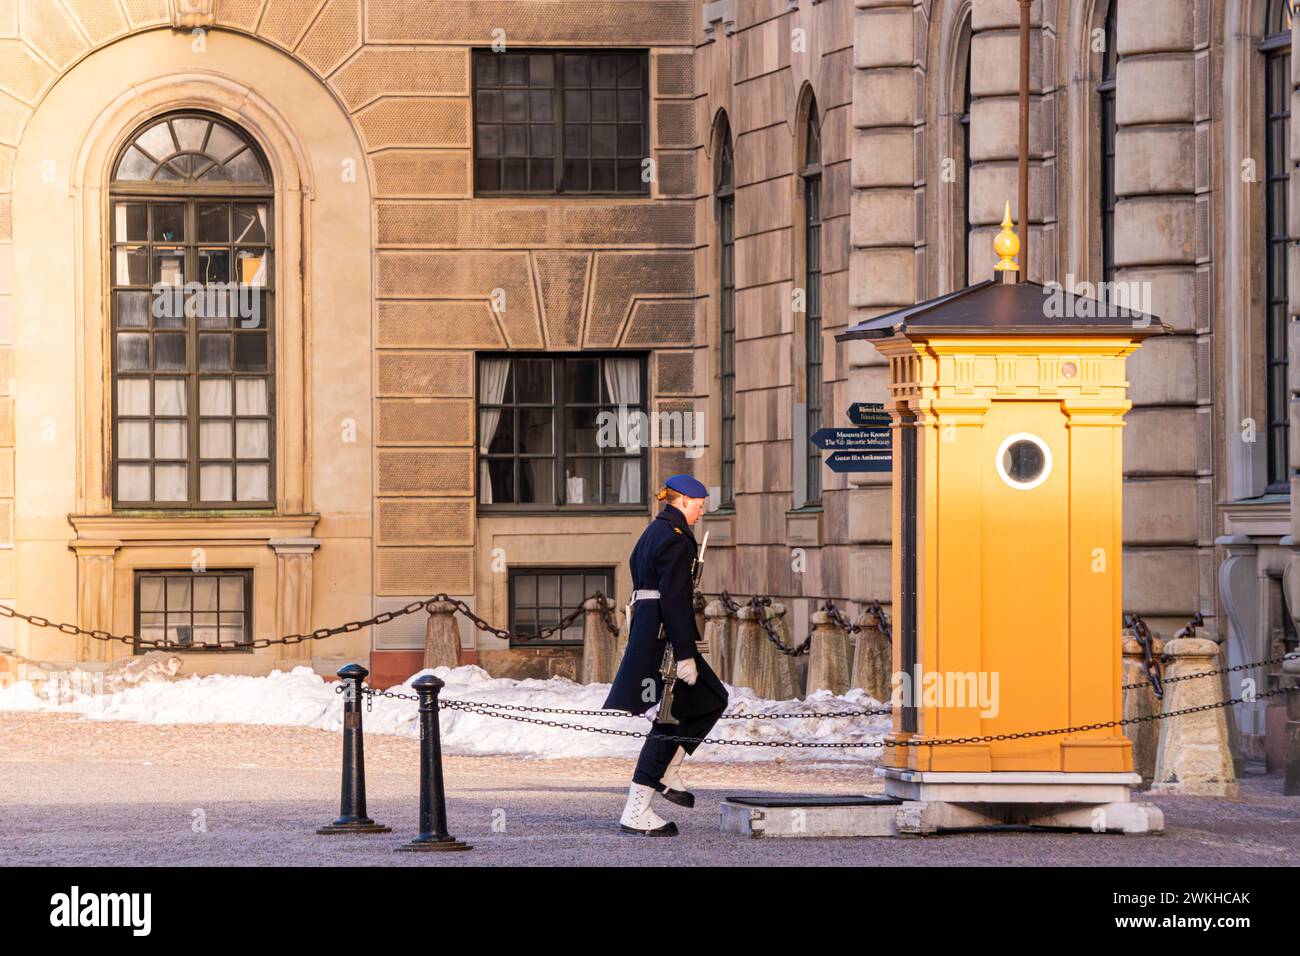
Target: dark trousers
x=658 y=751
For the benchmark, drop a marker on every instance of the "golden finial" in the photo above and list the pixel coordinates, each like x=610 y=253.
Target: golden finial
x=1007 y=246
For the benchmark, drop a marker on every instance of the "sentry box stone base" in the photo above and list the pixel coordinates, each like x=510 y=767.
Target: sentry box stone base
x=921 y=803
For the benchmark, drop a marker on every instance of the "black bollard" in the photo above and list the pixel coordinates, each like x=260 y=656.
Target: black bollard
x=433 y=804
x=352 y=807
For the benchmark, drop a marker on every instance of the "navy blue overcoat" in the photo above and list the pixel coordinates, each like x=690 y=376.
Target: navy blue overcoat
x=661 y=561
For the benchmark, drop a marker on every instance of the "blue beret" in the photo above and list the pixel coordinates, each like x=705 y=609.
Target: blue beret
x=687 y=485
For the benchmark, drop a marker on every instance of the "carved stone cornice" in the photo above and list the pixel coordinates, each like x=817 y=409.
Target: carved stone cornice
x=128 y=530
x=191 y=14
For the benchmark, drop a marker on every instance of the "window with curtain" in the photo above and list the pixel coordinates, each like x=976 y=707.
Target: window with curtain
x=550 y=121
x=812 y=202
x=1106 y=143
x=542 y=597
x=207 y=611
x=565 y=431
x=1277 y=162
x=725 y=191
x=192 y=303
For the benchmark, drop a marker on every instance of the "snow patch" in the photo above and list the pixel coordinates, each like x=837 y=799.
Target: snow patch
x=302 y=698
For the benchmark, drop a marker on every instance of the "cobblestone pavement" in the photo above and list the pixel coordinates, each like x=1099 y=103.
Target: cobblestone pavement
x=77 y=792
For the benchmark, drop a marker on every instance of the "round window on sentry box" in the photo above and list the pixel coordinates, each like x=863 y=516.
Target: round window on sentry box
x=1024 y=461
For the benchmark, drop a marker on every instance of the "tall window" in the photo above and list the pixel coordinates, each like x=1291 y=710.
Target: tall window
x=965 y=163
x=725 y=191
x=192 y=306
x=1277 y=123
x=562 y=431
x=1106 y=95
x=812 y=201
x=560 y=122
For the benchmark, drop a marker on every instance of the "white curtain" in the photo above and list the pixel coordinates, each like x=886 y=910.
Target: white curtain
x=492 y=376
x=623 y=379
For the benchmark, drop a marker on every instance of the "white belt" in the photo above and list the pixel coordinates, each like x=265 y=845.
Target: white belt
x=645 y=596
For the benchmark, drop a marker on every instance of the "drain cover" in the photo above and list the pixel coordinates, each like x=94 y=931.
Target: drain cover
x=814 y=800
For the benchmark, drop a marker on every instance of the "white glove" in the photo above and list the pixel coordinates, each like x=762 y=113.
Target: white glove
x=652 y=713
x=686 y=670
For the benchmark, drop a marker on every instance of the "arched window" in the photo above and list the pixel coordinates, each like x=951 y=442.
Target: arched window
x=1106 y=144
x=1277 y=161
x=724 y=190
x=192 y=301
x=964 y=121
x=812 y=203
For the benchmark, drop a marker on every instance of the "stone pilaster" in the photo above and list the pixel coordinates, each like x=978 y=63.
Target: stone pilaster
x=95 y=596
x=995 y=136
x=293 y=580
x=885 y=273
x=1163 y=250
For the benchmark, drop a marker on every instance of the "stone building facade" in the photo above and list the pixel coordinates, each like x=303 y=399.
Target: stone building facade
x=659 y=206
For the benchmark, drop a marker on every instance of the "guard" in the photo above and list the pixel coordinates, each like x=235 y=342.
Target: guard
x=663 y=565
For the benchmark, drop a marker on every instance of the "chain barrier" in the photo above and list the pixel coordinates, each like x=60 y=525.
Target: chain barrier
x=872 y=609
x=760 y=606
x=163 y=645
x=319 y=634
x=529 y=708
x=1155 y=674
x=474 y=708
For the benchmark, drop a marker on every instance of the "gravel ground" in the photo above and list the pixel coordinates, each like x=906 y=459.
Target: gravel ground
x=85 y=793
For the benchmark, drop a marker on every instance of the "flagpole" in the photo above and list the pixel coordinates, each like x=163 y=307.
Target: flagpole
x=1023 y=212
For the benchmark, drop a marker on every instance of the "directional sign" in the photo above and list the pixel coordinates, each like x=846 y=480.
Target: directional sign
x=852 y=439
x=869 y=413
x=843 y=461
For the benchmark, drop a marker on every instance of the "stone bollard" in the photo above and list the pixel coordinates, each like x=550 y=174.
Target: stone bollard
x=873 y=659
x=748 y=670
x=442 y=637
x=1141 y=702
x=1290 y=677
x=717 y=638
x=1193 y=755
x=828 y=656
x=599 y=645
x=784 y=668
x=352 y=803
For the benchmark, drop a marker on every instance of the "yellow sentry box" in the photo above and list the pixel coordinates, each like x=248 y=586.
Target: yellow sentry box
x=1007 y=401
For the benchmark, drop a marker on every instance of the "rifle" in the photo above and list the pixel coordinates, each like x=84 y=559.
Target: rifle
x=668 y=665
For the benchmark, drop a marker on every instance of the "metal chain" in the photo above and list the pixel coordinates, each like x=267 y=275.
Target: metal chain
x=760 y=604
x=505 y=633
x=528 y=708
x=1218 y=670
x=100 y=635
x=1142 y=633
x=608 y=613
x=468 y=708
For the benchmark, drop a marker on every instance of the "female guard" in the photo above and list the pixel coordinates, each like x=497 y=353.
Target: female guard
x=662 y=611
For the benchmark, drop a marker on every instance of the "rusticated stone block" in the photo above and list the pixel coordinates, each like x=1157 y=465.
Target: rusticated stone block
x=424 y=571
x=1155 y=160
x=1155 y=89
x=415 y=121
x=378 y=71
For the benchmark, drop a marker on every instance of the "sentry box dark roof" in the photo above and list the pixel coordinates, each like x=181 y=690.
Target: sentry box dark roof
x=1004 y=308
